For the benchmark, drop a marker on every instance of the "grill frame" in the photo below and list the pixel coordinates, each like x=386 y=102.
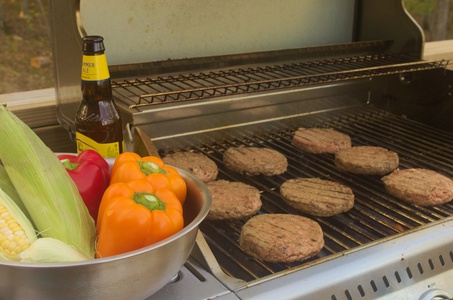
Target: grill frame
x=256 y=119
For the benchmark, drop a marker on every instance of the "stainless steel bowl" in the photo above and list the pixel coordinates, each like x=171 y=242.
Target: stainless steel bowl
x=133 y=275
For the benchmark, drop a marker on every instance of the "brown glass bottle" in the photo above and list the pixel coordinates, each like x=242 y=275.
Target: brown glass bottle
x=98 y=124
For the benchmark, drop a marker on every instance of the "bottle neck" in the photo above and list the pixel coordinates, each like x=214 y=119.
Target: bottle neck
x=95 y=68
x=95 y=78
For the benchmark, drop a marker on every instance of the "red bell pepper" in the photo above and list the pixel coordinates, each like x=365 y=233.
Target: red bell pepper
x=91 y=174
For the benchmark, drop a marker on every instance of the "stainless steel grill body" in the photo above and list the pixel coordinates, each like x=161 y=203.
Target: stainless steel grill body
x=373 y=110
x=378 y=231
x=375 y=88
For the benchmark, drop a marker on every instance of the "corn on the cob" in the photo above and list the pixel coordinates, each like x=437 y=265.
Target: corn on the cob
x=50 y=196
x=16 y=231
x=18 y=240
x=12 y=237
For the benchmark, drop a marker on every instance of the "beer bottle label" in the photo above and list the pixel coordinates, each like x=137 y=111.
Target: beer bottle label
x=94 y=68
x=107 y=150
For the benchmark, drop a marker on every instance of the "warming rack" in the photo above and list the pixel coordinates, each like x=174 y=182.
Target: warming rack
x=375 y=217
x=136 y=93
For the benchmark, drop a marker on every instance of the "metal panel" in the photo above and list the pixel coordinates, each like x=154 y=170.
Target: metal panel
x=389 y=20
x=67 y=58
x=157 y=30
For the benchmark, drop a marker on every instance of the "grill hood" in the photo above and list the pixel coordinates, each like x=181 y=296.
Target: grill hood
x=158 y=38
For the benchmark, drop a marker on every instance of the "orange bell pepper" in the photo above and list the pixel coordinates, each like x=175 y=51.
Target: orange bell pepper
x=133 y=215
x=131 y=166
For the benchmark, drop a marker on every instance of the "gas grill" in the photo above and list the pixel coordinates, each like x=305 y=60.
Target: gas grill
x=374 y=87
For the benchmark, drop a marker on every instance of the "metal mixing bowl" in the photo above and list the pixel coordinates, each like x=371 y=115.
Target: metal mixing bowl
x=133 y=275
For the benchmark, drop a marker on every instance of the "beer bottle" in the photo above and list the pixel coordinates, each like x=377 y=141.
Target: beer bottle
x=97 y=123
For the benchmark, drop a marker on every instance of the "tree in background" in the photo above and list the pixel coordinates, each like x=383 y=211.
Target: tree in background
x=433 y=16
x=440 y=22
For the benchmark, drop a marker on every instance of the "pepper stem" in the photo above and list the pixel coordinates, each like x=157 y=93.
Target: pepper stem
x=148 y=167
x=68 y=165
x=150 y=201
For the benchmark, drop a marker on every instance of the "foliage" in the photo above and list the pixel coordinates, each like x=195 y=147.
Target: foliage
x=26 y=35
x=420 y=7
x=425 y=13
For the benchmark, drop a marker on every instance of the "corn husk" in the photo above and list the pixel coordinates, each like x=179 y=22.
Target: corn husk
x=7 y=186
x=46 y=189
x=49 y=250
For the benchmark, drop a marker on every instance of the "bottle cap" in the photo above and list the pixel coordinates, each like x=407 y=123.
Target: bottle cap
x=93 y=44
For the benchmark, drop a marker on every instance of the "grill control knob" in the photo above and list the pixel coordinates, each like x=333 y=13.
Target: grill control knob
x=436 y=295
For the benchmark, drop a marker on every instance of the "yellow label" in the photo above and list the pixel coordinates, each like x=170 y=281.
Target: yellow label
x=107 y=150
x=94 y=67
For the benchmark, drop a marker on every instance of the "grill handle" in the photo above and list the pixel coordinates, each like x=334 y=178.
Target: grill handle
x=202 y=254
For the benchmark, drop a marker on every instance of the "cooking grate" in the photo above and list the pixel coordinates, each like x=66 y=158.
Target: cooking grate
x=375 y=215
x=184 y=87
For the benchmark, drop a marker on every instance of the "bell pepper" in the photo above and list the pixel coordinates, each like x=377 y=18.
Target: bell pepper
x=91 y=174
x=131 y=166
x=133 y=215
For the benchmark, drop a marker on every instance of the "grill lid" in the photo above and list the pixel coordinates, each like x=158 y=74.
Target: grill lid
x=315 y=25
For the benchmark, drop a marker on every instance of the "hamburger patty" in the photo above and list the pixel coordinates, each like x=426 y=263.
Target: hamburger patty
x=281 y=237
x=198 y=164
x=255 y=161
x=232 y=200
x=317 y=197
x=367 y=160
x=419 y=186
x=320 y=140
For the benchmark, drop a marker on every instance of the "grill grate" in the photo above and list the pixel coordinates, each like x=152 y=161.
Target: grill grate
x=185 y=87
x=375 y=215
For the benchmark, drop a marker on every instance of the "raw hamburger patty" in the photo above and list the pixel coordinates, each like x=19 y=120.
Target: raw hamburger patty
x=232 y=200
x=198 y=164
x=320 y=140
x=419 y=186
x=281 y=237
x=317 y=197
x=367 y=160
x=255 y=161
